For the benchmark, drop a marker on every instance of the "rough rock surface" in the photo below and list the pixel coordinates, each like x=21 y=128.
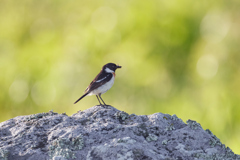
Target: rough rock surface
x=101 y=133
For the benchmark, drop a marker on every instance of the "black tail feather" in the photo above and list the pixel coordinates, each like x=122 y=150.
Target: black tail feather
x=81 y=97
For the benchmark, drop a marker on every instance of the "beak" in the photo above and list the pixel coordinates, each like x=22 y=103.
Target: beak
x=119 y=66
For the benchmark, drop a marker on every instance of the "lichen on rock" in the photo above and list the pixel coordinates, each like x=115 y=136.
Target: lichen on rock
x=3 y=154
x=65 y=147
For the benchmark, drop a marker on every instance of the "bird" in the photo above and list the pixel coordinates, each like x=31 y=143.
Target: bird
x=102 y=82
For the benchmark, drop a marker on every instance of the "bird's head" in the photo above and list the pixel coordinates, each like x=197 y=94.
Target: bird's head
x=111 y=67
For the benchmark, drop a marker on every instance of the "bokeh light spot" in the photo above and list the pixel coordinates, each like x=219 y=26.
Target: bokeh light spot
x=19 y=90
x=207 y=66
x=214 y=27
x=104 y=19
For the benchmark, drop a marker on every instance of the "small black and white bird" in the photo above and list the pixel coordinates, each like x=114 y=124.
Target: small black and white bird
x=102 y=82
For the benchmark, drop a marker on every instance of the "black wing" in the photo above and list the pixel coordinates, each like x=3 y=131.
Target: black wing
x=99 y=80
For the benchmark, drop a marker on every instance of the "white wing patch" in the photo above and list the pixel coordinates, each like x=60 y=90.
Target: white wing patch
x=104 y=88
x=101 y=79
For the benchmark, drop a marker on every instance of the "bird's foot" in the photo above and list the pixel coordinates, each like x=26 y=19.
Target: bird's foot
x=106 y=105
x=103 y=105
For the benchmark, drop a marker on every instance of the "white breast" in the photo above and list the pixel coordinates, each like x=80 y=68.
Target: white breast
x=104 y=88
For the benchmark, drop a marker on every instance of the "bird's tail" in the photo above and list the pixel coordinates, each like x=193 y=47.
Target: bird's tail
x=81 y=97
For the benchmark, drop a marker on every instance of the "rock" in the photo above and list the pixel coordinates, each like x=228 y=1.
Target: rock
x=100 y=133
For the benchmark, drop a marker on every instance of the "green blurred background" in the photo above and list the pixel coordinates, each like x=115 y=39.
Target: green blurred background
x=178 y=57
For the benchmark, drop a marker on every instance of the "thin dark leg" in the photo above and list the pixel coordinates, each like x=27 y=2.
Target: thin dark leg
x=99 y=100
x=102 y=99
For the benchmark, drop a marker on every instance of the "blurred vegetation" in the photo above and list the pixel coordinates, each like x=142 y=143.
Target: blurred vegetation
x=178 y=57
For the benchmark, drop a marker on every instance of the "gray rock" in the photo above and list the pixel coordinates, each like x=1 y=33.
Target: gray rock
x=100 y=133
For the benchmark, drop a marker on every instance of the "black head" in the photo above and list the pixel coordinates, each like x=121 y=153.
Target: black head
x=111 y=67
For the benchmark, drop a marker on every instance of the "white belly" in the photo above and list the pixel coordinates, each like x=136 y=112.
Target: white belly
x=104 y=88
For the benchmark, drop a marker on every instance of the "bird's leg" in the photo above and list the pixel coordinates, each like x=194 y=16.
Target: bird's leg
x=99 y=100
x=102 y=99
